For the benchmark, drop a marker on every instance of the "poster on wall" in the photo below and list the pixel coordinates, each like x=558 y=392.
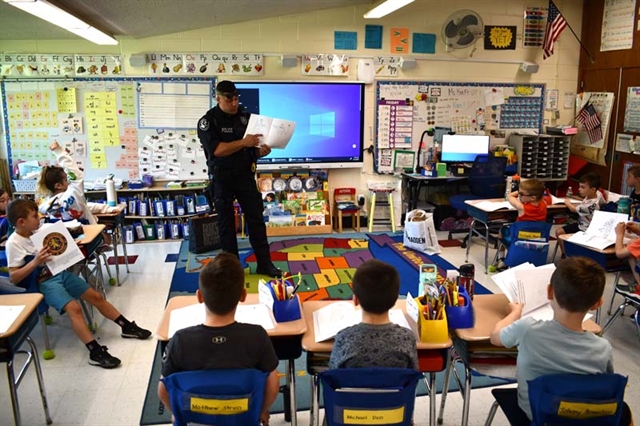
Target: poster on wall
x=535 y=23
x=618 y=20
x=386 y=66
x=603 y=104
x=325 y=64
x=632 y=110
x=168 y=64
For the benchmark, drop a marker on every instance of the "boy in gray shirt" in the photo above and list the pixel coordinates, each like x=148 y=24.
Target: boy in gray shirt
x=376 y=341
x=559 y=345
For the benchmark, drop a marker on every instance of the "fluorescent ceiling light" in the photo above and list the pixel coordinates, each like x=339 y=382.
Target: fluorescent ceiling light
x=385 y=8
x=64 y=20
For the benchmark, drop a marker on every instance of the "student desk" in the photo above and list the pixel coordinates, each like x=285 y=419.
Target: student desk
x=413 y=182
x=430 y=356
x=90 y=233
x=489 y=309
x=494 y=219
x=115 y=222
x=286 y=338
x=10 y=342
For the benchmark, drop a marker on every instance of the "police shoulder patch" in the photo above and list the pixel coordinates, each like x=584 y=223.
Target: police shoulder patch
x=244 y=120
x=203 y=124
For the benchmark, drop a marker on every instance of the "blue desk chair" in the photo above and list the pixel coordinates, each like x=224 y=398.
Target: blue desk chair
x=235 y=395
x=30 y=285
x=486 y=180
x=630 y=299
x=385 y=393
x=565 y=399
x=526 y=242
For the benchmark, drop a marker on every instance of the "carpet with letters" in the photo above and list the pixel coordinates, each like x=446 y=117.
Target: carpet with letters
x=326 y=264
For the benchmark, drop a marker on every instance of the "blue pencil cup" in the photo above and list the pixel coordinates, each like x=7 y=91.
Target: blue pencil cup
x=286 y=310
x=461 y=316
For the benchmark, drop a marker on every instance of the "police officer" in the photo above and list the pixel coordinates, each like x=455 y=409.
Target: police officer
x=231 y=159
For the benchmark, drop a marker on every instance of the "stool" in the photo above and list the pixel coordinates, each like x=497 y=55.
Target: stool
x=372 y=194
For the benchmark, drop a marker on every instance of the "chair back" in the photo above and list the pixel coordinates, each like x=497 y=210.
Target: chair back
x=529 y=242
x=487 y=176
x=369 y=396
x=577 y=399
x=216 y=397
x=344 y=195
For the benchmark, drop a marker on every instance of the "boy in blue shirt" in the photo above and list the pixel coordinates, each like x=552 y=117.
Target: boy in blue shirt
x=559 y=345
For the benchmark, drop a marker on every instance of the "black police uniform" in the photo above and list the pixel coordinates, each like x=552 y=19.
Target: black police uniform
x=233 y=177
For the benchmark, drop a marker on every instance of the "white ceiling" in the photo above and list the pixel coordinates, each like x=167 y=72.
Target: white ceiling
x=146 y=18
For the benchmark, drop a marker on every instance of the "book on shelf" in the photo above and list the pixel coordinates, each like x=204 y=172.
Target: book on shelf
x=258 y=314
x=527 y=283
x=337 y=316
x=601 y=232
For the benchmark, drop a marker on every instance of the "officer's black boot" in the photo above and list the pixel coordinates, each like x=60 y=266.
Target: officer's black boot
x=268 y=269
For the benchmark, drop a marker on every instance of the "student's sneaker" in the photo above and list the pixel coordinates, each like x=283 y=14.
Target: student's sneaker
x=501 y=266
x=104 y=248
x=102 y=358
x=132 y=331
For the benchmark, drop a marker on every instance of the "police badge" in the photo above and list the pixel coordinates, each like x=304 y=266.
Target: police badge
x=203 y=124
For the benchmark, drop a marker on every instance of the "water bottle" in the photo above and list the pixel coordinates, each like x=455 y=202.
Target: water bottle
x=467 y=278
x=569 y=192
x=111 y=191
x=507 y=189
x=623 y=205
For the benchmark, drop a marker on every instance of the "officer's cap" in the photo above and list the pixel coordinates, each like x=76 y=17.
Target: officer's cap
x=226 y=88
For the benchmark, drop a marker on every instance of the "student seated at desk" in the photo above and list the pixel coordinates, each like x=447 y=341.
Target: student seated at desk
x=633 y=180
x=559 y=345
x=61 y=291
x=593 y=200
x=5 y=199
x=631 y=252
x=221 y=288
x=527 y=200
x=376 y=341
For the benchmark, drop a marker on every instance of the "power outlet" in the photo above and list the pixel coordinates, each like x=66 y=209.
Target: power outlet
x=360 y=200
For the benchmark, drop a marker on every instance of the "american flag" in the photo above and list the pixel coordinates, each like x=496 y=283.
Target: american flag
x=555 y=25
x=589 y=119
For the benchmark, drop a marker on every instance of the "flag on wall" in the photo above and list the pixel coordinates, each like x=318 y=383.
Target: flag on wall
x=555 y=25
x=589 y=119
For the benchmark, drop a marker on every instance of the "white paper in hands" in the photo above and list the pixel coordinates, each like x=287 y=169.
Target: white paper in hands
x=64 y=251
x=275 y=132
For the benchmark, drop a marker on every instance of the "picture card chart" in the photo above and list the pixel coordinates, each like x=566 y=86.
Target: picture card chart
x=102 y=124
x=535 y=24
x=618 y=23
x=395 y=123
x=406 y=109
x=206 y=64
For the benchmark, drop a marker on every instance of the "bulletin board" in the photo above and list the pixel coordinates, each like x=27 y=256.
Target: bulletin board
x=127 y=127
x=404 y=110
x=581 y=145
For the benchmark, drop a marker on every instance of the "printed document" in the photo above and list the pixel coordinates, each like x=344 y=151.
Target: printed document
x=556 y=200
x=195 y=314
x=527 y=283
x=275 y=132
x=8 y=315
x=64 y=251
x=491 y=206
x=601 y=232
x=337 y=316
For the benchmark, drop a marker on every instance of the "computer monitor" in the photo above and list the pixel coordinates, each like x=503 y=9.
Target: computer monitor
x=463 y=148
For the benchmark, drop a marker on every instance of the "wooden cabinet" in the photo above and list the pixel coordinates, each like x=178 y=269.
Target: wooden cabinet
x=545 y=157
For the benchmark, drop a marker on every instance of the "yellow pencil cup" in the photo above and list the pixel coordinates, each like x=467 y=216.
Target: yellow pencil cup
x=432 y=331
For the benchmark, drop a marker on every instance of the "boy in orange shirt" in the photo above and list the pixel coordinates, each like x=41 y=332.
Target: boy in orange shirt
x=631 y=252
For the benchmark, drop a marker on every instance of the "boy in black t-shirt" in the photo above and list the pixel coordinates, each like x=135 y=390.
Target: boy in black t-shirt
x=221 y=342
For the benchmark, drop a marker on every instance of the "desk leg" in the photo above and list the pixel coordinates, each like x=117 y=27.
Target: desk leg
x=467 y=396
x=432 y=398
x=43 y=393
x=445 y=386
x=291 y=383
x=471 y=227
x=124 y=246
x=14 y=393
x=115 y=253
x=315 y=400
x=486 y=247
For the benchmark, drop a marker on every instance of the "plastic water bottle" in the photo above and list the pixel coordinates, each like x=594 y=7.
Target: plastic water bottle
x=111 y=191
x=623 y=205
x=569 y=192
x=467 y=278
x=507 y=189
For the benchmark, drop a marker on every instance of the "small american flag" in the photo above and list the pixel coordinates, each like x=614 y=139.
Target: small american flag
x=589 y=119
x=555 y=25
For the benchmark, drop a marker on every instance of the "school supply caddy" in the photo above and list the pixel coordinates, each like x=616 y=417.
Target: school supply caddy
x=279 y=295
x=420 y=232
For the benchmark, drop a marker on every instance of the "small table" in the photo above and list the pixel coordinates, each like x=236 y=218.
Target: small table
x=115 y=220
x=318 y=357
x=489 y=309
x=413 y=182
x=10 y=342
x=286 y=337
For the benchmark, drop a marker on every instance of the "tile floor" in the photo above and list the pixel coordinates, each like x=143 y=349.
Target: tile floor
x=80 y=394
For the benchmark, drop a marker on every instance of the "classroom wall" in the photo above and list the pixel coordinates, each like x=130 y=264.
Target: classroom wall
x=313 y=32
